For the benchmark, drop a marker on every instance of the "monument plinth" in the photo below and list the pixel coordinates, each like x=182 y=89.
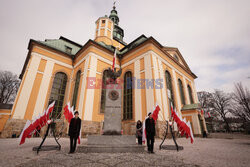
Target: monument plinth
x=112 y=115
x=112 y=141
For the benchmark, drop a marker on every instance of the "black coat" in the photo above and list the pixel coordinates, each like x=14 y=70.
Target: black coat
x=150 y=127
x=74 y=127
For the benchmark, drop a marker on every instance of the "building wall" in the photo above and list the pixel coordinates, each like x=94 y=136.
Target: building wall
x=4 y=116
x=147 y=62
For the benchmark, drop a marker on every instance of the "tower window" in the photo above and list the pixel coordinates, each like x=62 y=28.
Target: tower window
x=103 y=21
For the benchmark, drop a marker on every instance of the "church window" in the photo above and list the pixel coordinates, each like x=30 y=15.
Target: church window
x=127 y=97
x=103 y=95
x=57 y=94
x=181 y=92
x=170 y=93
x=190 y=94
x=77 y=82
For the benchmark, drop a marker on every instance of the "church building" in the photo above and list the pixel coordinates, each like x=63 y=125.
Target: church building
x=64 y=71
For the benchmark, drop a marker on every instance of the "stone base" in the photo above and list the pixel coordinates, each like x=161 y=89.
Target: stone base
x=111 y=144
x=110 y=149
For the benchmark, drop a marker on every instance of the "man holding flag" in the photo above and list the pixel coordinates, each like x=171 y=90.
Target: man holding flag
x=150 y=132
x=74 y=131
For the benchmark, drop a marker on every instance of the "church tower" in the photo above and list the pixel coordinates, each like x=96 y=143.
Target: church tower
x=108 y=30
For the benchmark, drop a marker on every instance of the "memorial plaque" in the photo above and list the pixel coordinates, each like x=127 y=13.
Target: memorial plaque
x=112 y=115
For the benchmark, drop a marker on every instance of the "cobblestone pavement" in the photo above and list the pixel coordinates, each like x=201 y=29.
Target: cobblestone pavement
x=204 y=152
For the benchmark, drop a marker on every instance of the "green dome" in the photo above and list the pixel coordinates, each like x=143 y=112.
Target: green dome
x=114 y=16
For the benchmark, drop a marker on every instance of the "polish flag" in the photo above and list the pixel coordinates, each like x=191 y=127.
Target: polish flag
x=156 y=112
x=113 y=66
x=183 y=126
x=37 y=124
x=202 y=112
x=23 y=135
x=208 y=114
x=68 y=112
x=144 y=135
x=49 y=110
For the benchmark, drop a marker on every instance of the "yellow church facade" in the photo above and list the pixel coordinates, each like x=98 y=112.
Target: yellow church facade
x=65 y=71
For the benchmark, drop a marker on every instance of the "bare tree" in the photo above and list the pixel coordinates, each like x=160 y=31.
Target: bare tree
x=241 y=107
x=204 y=99
x=9 y=84
x=206 y=102
x=221 y=104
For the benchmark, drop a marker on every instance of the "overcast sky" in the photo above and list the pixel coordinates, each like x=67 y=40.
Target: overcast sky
x=213 y=36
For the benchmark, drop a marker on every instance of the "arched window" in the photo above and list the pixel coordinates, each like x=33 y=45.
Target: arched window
x=57 y=93
x=103 y=95
x=127 y=97
x=170 y=93
x=190 y=94
x=181 y=92
x=77 y=82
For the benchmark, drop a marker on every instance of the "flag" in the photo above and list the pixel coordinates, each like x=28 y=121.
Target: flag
x=22 y=136
x=68 y=113
x=113 y=66
x=183 y=126
x=156 y=112
x=49 y=110
x=208 y=114
x=191 y=132
x=38 y=123
x=144 y=137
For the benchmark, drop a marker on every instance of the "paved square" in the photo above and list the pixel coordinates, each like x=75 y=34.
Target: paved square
x=232 y=150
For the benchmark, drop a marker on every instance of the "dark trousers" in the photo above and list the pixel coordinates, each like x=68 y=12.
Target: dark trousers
x=150 y=142
x=140 y=140
x=73 y=143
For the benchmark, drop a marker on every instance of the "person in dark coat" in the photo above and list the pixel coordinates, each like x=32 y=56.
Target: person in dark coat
x=150 y=132
x=139 y=132
x=74 y=131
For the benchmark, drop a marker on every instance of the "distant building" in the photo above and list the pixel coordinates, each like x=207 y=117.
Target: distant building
x=63 y=70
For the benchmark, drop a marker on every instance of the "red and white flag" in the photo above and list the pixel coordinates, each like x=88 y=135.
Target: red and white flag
x=156 y=112
x=68 y=112
x=202 y=112
x=114 y=58
x=208 y=114
x=37 y=124
x=49 y=110
x=23 y=135
x=183 y=126
x=144 y=135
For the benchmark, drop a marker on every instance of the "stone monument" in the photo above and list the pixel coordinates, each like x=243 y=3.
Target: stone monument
x=112 y=141
x=112 y=115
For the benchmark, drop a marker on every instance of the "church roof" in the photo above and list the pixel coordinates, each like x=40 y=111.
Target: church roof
x=72 y=49
x=62 y=44
x=191 y=107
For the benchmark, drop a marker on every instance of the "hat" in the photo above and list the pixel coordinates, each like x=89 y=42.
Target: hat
x=149 y=113
x=76 y=112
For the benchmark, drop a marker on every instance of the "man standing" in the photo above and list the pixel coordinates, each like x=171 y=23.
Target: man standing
x=74 y=131
x=150 y=132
